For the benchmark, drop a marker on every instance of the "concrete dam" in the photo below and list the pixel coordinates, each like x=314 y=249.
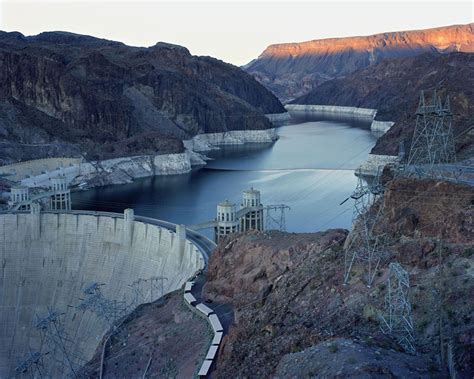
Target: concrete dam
x=65 y=277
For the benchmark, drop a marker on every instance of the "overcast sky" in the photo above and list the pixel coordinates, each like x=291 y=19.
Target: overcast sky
x=234 y=31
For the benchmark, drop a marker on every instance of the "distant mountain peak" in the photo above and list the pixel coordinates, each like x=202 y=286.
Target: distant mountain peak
x=291 y=70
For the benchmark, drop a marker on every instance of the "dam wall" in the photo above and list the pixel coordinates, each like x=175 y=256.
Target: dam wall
x=48 y=260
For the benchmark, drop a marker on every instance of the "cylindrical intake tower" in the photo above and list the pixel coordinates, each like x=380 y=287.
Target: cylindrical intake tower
x=253 y=219
x=227 y=221
x=61 y=199
x=20 y=194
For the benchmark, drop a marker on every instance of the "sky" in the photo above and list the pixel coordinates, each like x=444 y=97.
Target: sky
x=234 y=31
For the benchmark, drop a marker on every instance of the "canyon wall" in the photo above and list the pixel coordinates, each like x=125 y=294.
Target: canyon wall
x=64 y=94
x=291 y=70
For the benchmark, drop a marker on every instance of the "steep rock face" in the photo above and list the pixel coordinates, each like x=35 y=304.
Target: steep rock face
x=431 y=209
x=393 y=88
x=294 y=316
x=63 y=87
x=292 y=69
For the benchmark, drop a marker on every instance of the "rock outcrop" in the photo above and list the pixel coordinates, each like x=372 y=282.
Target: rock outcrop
x=290 y=70
x=294 y=316
x=393 y=88
x=68 y=94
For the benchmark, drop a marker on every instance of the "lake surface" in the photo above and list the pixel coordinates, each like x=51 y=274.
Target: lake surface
x=310 y=168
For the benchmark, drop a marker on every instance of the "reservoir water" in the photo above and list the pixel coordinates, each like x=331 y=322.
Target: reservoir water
x=310 y=168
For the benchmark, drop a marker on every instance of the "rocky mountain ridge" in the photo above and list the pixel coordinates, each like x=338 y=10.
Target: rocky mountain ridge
x=73 y=94
x=393 y=88
x=290 y=70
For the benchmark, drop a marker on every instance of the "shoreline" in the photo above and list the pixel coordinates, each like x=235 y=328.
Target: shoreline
x=364 y=114
x=122 y=170
x=86 y=175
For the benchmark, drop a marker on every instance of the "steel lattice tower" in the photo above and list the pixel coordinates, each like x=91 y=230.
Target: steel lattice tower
x=272 y=221
x=57 y=343
x=397 y=320
x=365 y=247
x=150 y=286
x=433 y=142
x=107 y=310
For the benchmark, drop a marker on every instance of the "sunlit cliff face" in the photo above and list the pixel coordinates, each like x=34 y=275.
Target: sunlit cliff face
x=290 y=70
x=457 y=38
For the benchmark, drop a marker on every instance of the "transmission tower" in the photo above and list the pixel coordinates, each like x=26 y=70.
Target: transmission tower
x=433 y=142
x=152 y=286
x=107 y=310
x=32 y=363
x=56 y=341
x=275 y=217
x=397 y=320
x=365 y=247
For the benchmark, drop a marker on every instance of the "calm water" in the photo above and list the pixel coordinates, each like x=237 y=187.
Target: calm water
x=310 y=168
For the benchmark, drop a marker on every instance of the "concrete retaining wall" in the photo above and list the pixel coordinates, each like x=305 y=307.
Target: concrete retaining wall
x=375 y=162
x=48 y=259
x=381 y=127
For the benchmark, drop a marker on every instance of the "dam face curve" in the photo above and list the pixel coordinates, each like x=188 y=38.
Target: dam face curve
x=48 y=259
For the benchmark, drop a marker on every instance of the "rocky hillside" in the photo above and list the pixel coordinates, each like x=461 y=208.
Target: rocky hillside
x=153 y=342
x=393 y=88
x=295 y=318
x=63 y=94
x=290 y=70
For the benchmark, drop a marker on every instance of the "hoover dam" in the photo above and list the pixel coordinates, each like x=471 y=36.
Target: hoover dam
x=65 y=274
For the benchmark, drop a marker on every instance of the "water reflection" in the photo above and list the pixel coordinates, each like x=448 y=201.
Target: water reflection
x=310 y=168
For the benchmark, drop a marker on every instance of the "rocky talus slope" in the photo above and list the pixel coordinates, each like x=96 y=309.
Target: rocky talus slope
x=69 y=94
x=290 y=70
x=164 y=339
x=393 y=88
x=295 y=318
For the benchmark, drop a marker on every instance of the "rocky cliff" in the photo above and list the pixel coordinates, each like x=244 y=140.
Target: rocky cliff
x=290 y=70
x=295 y=318
x=72 y=94
x=393 y=88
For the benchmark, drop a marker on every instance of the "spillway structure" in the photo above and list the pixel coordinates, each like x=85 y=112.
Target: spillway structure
x=67 y=277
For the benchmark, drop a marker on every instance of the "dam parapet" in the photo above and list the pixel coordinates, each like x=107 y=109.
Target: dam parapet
x=50 y=258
